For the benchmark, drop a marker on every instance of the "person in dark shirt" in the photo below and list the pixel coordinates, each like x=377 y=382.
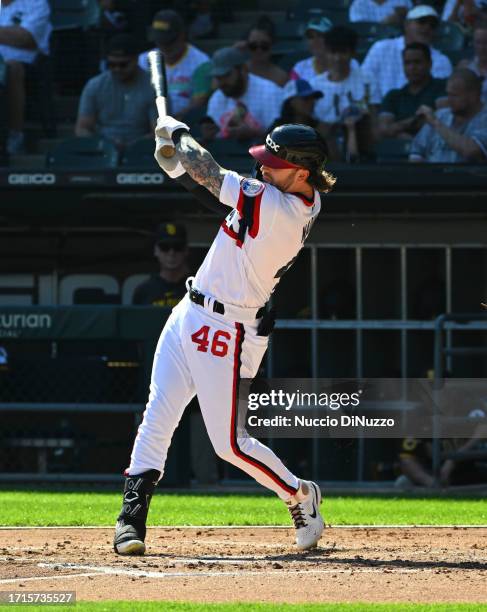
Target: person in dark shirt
x=397 y=115
x=168 y=286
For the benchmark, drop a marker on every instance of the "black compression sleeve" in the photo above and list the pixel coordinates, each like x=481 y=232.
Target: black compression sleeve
x=176 y=135
x=201 y=194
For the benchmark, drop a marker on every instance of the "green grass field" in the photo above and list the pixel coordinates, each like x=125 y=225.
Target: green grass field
x=76 y=508
x=158 y=606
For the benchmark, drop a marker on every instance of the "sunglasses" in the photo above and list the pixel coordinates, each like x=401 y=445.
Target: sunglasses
x=263 y=46
x=177 y=247
x=118 y=65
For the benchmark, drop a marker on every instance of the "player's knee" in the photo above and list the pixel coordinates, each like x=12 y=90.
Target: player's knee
x=224 y=451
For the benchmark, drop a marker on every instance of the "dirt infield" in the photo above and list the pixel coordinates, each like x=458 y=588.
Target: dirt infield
x=252 y=564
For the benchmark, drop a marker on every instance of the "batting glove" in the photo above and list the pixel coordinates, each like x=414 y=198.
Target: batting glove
x=166 y=126
x=171 y=165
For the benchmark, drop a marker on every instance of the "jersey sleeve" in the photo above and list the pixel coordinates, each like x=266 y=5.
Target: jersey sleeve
x=230 y=191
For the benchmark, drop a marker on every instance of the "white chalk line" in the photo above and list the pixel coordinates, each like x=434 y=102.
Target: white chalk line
x=223 y=527
x=111 y=571
x=55 y=577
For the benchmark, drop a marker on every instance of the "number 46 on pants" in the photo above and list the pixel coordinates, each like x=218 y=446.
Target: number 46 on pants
x=219 y=341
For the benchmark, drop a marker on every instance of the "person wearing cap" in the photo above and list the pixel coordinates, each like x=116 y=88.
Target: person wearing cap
x=166 y=287
x=25 y=30
x=397 y=116
x=118 y=104
x=298 y=104
x=457 y=134
x=310 y=67
x=383 y=63
x=379 y=11
x=244 y=105
x=187 y=67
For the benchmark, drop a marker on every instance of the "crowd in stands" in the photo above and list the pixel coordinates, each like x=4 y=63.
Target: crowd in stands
x=399 y=86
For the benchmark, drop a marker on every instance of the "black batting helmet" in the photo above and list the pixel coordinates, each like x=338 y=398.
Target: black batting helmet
x=295 y=146
x=292 y=146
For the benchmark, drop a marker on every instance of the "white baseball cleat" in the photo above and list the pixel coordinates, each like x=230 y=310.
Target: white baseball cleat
x=305 y=512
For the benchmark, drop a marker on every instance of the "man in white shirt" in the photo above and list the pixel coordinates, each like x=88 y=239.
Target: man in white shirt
x=186 y=66
x=24 y=33
x=383 y=64
x=379 y=11
x=343 y=85
x=244 y=105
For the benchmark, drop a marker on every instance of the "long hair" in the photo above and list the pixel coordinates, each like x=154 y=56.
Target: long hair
x=322 y=180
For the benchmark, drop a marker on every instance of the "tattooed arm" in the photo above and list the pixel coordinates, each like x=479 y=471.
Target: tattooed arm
x=199 y=164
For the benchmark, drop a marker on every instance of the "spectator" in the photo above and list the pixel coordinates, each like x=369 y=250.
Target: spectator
x=343 y=84
x=415 y=460
x=463 y=12
x=244 y=105
x=383 y=64
x=189 y=85
x=118 y=104
x=168 y=286
x=397 y=116
x=298 y=104
x=458 y=133
x=259 y=46
x=318 y=62
x=347 y=98
x=24 y=33
x=479 y=62
x=379 y=11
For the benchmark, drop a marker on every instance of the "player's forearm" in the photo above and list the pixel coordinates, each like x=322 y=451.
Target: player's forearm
x=16 y=36
x=199 y=164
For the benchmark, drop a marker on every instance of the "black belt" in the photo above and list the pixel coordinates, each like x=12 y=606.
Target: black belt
x=199 y=298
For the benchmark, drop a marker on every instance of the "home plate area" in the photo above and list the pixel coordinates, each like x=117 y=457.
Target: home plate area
x=248 y=564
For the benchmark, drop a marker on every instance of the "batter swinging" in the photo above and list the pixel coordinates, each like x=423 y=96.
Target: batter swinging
x=219 y=332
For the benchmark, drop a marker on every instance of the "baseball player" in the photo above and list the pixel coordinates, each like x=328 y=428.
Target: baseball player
x=218 y=333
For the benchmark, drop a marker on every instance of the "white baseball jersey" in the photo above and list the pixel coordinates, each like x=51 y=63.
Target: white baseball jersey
x=262 y=101
x=257 y=242
x=306 y=69
x=339 y=95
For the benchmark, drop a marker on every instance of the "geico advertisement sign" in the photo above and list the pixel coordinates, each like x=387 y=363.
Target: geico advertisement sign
x=46 y=289
x=133 y=178
x=32 y=179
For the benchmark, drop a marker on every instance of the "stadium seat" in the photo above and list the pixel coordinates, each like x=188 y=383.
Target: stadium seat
x=290 y=30
x=335 y=11
x=370 y=32
x=231 y=154
x=74 y=14
x=393 y=150
x=450 y=37
x=92 y=153
x=140 y=154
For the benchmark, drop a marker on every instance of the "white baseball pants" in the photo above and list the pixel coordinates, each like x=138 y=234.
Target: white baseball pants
x=203 y=353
